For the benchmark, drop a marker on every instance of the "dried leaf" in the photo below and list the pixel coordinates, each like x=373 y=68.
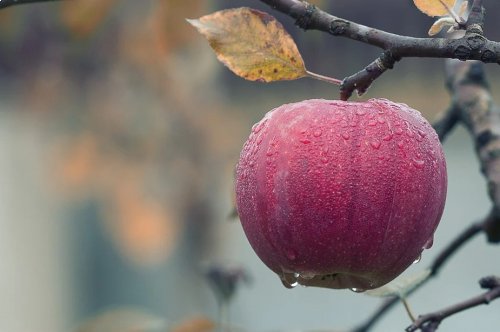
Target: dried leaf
x=434 y=7
x=440 y=24
x=401 y=286
x=253 y=44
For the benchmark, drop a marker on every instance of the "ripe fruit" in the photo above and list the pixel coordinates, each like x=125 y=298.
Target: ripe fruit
x=341 y=194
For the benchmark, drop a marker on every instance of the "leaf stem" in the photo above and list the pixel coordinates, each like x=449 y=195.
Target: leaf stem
x=408 y=309
x=323 y=78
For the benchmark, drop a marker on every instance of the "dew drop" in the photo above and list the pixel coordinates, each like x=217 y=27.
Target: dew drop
x=381 y=120
x=269 y=153
x=387 y=137
x=401 y=144
x=375 y=144
x=345 y=136
x=289 y=280
x=305 y=140
x=429 y=243
x=307 y=275
x=354 y=124
x=325 y=149
x=324 y=160
x=357 y=290
x=417 y=259
x=291 y=254
x=398 y=131
x=409 y=133
x=418 y=163
x=317 y=133
x=422 y=133
x=360 y=112
x=372 y=123
x=258 y=126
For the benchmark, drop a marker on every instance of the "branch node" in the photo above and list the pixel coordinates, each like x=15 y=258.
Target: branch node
x=339 y=27
x=304 y=21
x=489 y=282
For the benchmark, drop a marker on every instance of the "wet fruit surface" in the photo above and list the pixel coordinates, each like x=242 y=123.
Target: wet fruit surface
x=340 y=194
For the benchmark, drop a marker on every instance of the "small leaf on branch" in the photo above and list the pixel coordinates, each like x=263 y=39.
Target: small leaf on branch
x=440 y=24
x=401 y=286
x=252 y=44
x=435 y=7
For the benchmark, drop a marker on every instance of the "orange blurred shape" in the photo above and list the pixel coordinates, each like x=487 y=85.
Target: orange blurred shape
x=82 y=17
x=80 y=162
x=143 y=229
x=195 y=324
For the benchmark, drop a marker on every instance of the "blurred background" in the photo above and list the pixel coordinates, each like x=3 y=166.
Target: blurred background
x=119 y=132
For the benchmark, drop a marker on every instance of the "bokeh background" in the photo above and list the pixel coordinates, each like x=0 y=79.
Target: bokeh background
x=119 y=132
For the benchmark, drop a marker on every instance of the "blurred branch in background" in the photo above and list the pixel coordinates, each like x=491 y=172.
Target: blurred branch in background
x=8 y=3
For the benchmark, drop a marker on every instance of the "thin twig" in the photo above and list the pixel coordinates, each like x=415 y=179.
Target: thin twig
x=430 y=322
x=8 y=3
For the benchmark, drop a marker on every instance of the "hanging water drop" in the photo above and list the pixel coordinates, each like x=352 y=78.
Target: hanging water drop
x=417 y=259
x=357 y=290
x=429 y=243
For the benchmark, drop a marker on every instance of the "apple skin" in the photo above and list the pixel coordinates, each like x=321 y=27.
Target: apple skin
x=341 y=194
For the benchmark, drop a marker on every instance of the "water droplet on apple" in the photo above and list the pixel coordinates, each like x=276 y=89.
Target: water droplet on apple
x=291 y=254
x=387 y=137
x=422 y=133
x=289 y=280
x=372 y=123
x=381 y=120
x=324 y=160
x=375 y=144
x=398 y=131
x=401 y=144
x=307 y=275
x=418 y=163
x=360 y=111
x=357 y=290
x=345 y=136
x=417 y=259
x=429 y=243
x=305 y=140
x=317 y=133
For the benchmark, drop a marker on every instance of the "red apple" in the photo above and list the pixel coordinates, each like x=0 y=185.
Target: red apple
x=341 y=194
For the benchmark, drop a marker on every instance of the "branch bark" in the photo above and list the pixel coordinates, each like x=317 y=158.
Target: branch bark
x=472 y=46
x=430 y=322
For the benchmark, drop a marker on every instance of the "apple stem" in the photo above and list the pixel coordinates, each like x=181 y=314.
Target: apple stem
x=408 y=309
x=323 y=78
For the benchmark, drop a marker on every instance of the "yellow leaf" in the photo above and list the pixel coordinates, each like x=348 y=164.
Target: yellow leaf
x=252 y=44
x=434 y=7
x=440 y=24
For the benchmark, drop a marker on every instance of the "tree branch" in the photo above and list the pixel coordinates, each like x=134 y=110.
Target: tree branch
x=472 y=46
x=430 y=322
x=476 y=111
x=8 y=3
